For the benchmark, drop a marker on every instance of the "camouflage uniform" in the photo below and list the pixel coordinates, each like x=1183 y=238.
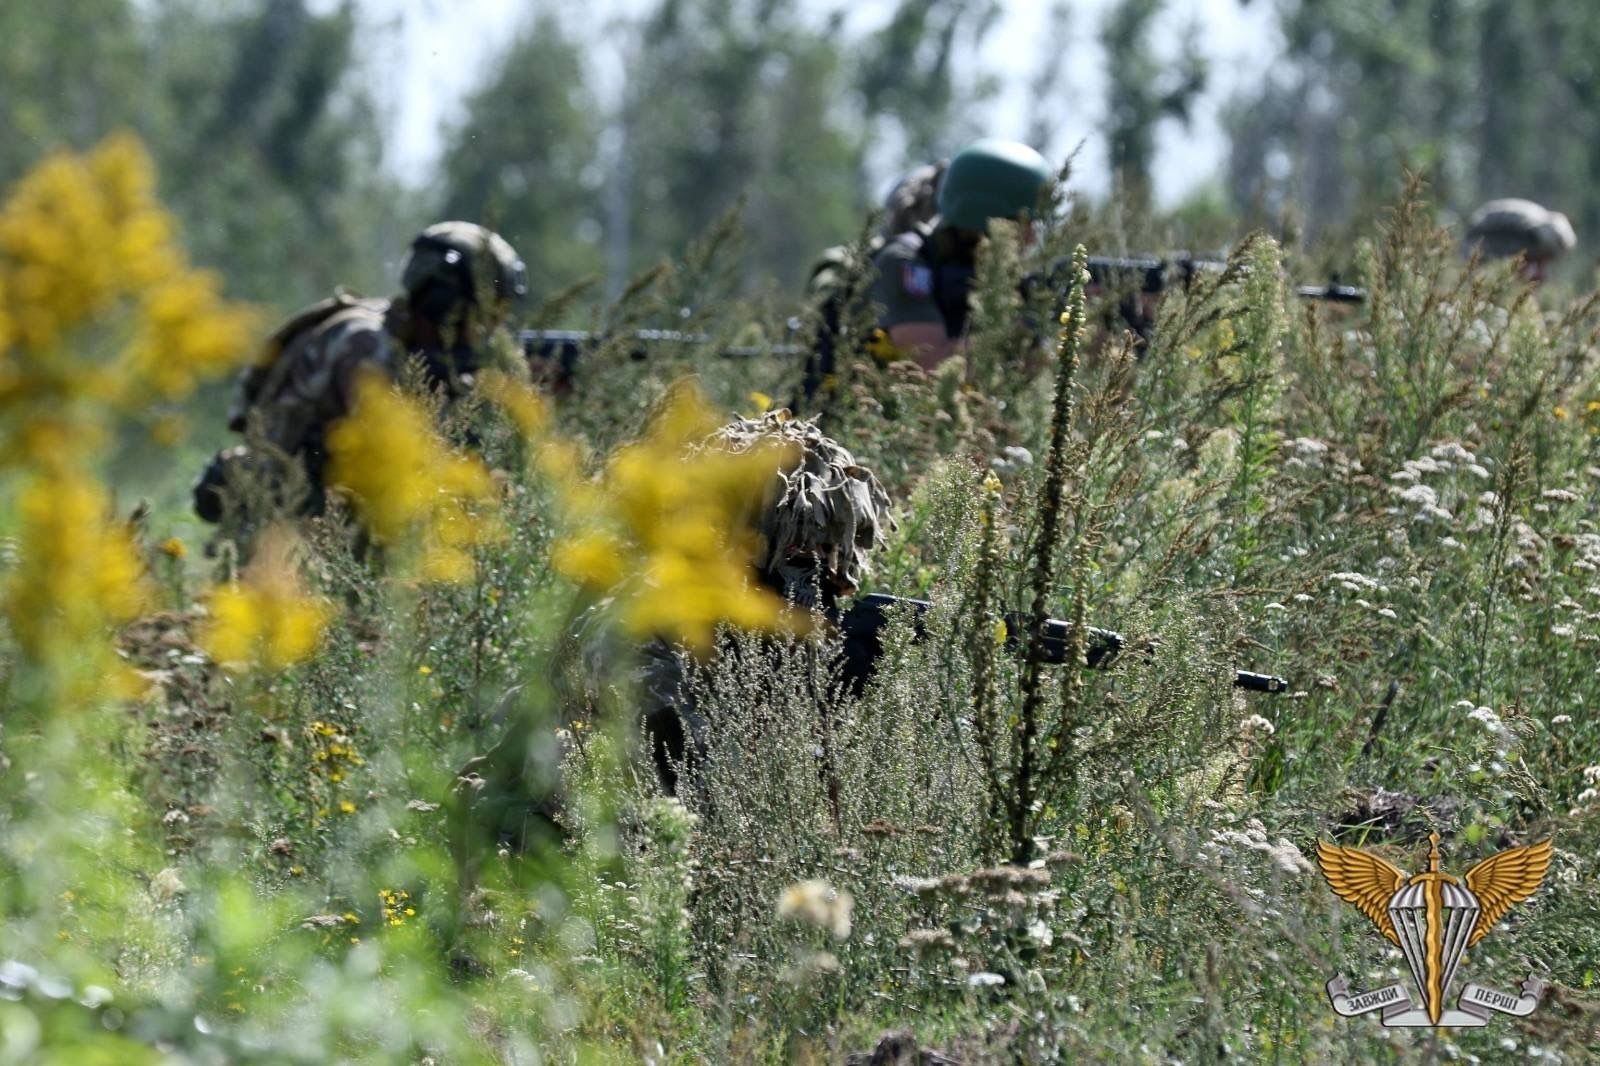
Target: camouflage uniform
x=924 y=275
x=304 y=380
x=837 y=273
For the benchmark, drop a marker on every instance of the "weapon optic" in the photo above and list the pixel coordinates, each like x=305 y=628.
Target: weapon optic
x=862 y=626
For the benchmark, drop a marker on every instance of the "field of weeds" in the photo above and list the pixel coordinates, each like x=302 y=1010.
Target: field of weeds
x=302 y=794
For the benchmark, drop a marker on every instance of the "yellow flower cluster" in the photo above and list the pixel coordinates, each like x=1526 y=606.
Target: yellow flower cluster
x=396 y=906
x=667 y=529
x=520 y=401
x=99 y=307
x=411 y=488
x=333 y=753
x=79 y=573
x=100 y=315
x=266 y=620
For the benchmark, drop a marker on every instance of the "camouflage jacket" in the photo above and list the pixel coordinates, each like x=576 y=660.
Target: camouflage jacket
x=303 y=380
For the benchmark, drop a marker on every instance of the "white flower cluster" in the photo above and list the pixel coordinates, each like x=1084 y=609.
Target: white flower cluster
x=1484 y=716
x=1351 y=581
x=1586 y=798
x=1284 y=855
x=819 y=904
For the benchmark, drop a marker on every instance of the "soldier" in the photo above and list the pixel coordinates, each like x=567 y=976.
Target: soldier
x=1501 y=229
x=924 y=274
x=836 y=275
x=819 y=520
x=460 y=282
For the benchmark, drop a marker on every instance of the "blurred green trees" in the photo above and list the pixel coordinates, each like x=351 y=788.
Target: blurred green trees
x=1485 y=99
x=258 y=113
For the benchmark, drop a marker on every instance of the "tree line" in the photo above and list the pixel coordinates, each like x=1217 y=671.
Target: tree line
x=268 y=122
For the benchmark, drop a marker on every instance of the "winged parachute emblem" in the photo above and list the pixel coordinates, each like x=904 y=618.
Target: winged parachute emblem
x=1433 y=917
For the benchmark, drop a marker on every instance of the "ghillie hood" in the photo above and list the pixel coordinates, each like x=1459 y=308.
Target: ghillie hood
x=823 y=512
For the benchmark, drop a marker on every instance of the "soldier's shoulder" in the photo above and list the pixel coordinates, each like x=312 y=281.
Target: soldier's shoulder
x=903 y=246
x=348 y=325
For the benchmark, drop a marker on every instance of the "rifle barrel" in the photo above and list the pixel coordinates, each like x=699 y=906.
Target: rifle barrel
x=866 y=618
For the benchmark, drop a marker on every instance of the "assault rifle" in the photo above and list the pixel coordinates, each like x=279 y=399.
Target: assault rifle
x=862 y=627
x=1153 y=274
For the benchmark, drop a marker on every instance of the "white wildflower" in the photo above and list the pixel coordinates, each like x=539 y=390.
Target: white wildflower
x=167 y=885
x=1561 y=631
x=1487 y=717
x=1256 y=726
x=985 y=979
x=1561 y=719
x=1385 y=612
x=820 y=904
x=1560 y=495
x=1418 y=496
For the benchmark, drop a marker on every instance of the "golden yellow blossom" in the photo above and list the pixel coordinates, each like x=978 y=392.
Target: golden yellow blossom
x=267 y=619
x=520 y=401
x=173 y=548
x=409 y=486
x=667 y=529
x=1559 y=412
x=100 y=311
x=78 y=573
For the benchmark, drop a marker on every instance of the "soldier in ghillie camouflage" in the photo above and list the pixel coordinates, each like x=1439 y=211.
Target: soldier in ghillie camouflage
x=460 y=284
x=819 y=519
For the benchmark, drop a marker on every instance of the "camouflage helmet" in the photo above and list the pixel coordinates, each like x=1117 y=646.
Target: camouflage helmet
x=452 y=263
x=1508 y=227
x=822 y=514
x=991 y=179
x=913 y=200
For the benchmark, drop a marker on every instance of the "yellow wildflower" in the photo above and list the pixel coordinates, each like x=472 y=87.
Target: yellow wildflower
x=1559 y=412
x=668 y=532
x=267 y=619
x=78 y=573
x=526 y=408
x=409 y=486
x=85 y=245
x=762 y=401
x=346 y=807
x=173 y=548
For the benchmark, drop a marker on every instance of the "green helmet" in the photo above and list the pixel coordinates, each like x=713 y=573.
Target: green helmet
x=991 y=179
x=453 y=263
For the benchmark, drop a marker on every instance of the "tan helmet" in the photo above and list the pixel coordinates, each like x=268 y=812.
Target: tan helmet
x=1511 y=226
x=456 y=263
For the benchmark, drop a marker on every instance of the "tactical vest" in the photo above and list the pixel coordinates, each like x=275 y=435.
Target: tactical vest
x=952 y=280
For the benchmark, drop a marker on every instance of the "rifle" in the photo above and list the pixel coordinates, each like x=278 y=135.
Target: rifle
x=1156 y=274
x=862 y=627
